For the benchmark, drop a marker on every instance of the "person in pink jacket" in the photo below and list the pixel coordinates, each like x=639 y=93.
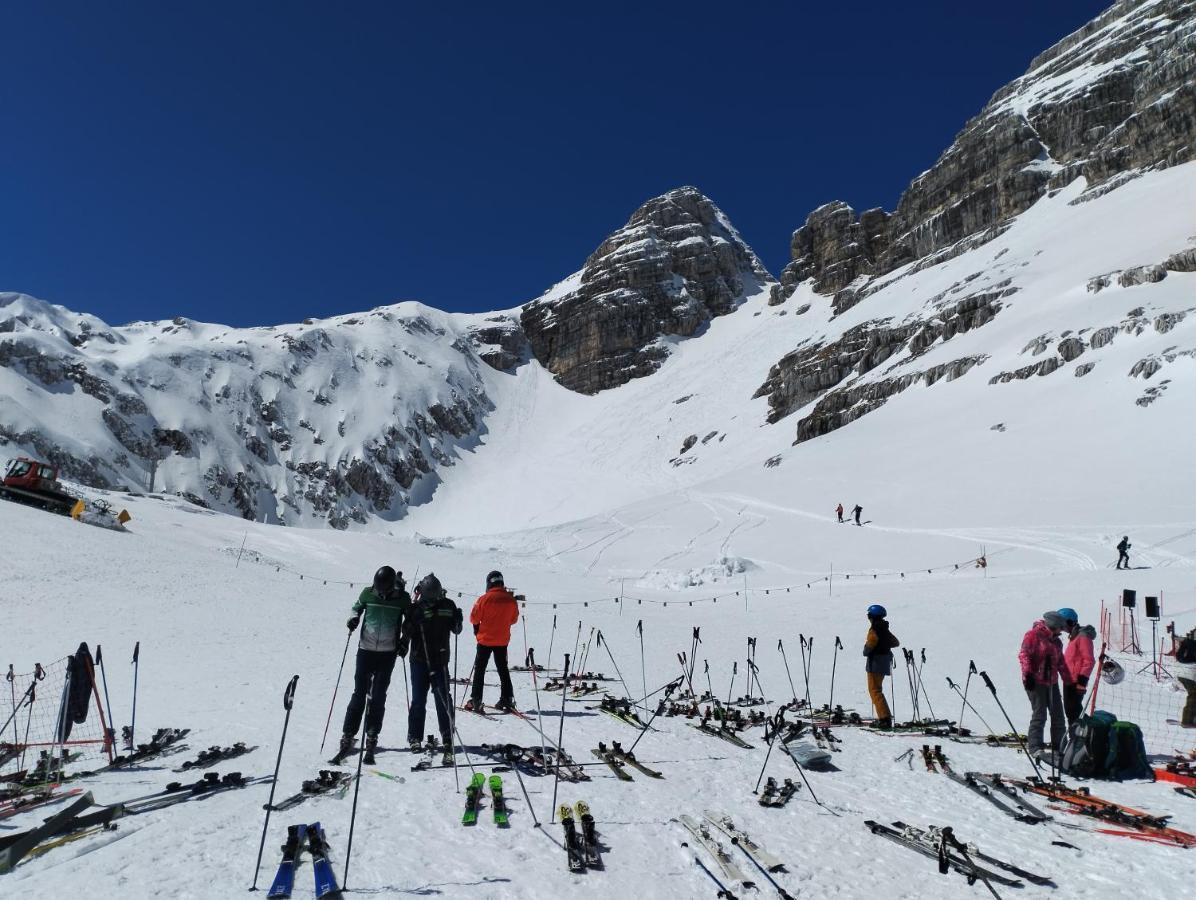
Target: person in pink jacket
x=1042 y=662
x=1078 y=659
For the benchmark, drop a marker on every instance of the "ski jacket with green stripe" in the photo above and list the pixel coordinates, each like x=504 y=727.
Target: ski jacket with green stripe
x=382 y=619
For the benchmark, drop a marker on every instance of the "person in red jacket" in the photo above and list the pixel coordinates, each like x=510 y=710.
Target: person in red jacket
x=1041 y=657
x=492 y=616
x=1078 y=659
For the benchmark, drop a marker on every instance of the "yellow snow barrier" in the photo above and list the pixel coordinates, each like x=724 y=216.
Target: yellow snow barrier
x=77 y=510
x=124 y=516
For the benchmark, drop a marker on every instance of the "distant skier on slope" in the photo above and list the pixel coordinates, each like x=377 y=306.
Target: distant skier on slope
x=839 y=513
x=384 y=604
x=430 y=621
x=1041 y=658
x=1123 y=552
x=878 y=649
x=856 y=512
x=492 y=616
x=1078 y=658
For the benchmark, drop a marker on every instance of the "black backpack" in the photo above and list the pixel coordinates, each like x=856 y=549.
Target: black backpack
x=1086 y=753
x=1186 y=651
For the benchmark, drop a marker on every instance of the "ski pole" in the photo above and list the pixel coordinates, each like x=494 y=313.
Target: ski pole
x=685 y=671
x=772 y=736
x=668 y=692
x=967 y=682
x=693 y=655
x=785 y=895
x=722 y=888
x=12 y=689
x=1033 y=762
x=439 y=678
x=606 y=644
x=531 y=655
x=809 y=665
x=585 y=653
x=406 y=695
x=136 y=667
x=357 y=787
x=751 y=645
x=805 y=671
x=788 y=674
x=576 y=641
x=734 y=672
x=909 y=680
x=332 y=705
x=834 y=663
x=551 y=638
x=560 y=747
x=922 y=692
x=955 y=687
x=107 y=703
x=16 y=705
x=526 y=798
x=288 y=698
x=643 y=671
x=709 y=686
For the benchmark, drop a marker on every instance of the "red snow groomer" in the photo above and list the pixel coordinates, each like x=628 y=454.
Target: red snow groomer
x=35 y=484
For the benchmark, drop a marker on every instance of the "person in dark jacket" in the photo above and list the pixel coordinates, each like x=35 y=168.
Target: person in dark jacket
x=857 y=512
x=384 y=604
x=427 y=628
x=878 y=650
x=839 y=512
x=492 y=616
x=1123 y=552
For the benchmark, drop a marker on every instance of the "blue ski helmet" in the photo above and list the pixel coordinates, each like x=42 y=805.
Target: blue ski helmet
x=876 y=611
x=1069 y=615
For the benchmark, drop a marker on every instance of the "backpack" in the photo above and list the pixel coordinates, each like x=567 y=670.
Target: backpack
x=1127 y=753
x=1086 y=752
x=1186 y=651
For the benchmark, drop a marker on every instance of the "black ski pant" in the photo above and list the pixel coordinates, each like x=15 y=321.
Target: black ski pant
x=1123 y=557
x=1073 y=702
x=372 y=676
x=479 y=673
x=423 y=678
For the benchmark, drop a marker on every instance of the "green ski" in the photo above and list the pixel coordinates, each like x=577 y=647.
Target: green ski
x=473 y=796
x=500 y=804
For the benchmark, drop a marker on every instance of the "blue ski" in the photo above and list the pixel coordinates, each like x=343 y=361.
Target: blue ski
x=284 y=879
x=317 y=845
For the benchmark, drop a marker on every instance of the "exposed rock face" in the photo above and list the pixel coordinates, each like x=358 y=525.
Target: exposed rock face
x=1112 y=99
x=501 y=343
x=674 y=266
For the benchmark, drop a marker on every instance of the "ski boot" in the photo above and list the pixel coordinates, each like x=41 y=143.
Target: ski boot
x=470 y=706
x=345 y=748
x=415 y=745
x=505 y=704
x=371 y=746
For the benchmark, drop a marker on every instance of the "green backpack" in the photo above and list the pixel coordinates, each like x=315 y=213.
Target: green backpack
x=1127 y=754
x=1088 y=743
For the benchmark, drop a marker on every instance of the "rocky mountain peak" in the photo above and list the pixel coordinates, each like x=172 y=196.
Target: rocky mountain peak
x=1108 y=102
x=675 y=265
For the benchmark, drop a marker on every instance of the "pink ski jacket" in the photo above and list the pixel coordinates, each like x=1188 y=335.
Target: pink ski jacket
x=1041 y=655
x=1078 y=657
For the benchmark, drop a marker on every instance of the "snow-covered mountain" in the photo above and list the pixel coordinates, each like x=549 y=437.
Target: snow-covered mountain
x=1035 y=284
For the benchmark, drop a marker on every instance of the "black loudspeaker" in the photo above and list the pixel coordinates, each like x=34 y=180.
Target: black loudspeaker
x=1152 y=607
x=1129 y=599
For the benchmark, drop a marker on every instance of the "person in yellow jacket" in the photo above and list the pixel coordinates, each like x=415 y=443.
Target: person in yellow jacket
x=878 y=650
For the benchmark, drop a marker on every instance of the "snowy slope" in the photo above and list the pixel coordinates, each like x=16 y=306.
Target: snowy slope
x=220 y=639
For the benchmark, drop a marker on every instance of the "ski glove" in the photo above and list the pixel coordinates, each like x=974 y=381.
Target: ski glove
x=458 y=621
x=1028 y=682
x=475 y=630
x=402 y=648
x=352 y=623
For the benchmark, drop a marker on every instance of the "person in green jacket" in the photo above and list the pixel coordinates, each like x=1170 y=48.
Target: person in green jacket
x=384 y=605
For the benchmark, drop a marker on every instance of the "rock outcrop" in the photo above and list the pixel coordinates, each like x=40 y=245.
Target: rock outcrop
x=1111 y=100
x=674 y=266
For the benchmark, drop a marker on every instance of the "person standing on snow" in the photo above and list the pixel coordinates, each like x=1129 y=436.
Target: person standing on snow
x=1185 y=673
x=384 y=604
x=1078 y=659
x=856 y=512
x=1123 y=552
x=839 y=513
x=1041 y=658
x=492 y=616
x=427 y=627
x=878 y=649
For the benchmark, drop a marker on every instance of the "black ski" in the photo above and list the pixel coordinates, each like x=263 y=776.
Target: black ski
x=624 y=756
x=931 y=850
x=213 y=755
x=324 y=783
x=573 y=849
x=726 y=735
x=937 y=835
x=589 y=835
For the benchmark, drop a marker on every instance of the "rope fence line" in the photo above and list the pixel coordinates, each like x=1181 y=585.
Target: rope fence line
x=978 y=562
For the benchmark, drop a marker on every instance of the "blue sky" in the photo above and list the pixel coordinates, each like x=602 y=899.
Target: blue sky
x=258 y=163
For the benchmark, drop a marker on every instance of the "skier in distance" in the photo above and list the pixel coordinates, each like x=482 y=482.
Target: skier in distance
x=839 y=513
x=1123 y=552
x=856 y=512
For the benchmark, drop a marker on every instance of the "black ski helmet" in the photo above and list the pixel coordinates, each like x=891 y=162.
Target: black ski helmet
x=429 y=587
x=384 y=580
x=493 y=579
